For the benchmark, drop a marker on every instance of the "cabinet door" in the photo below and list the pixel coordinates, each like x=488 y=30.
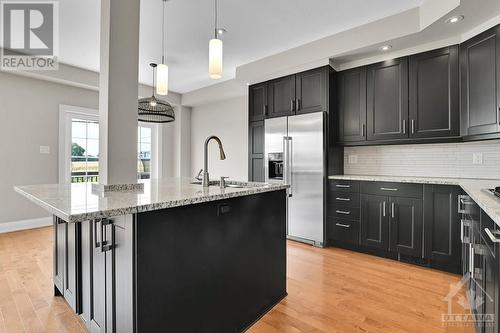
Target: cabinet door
x=387 y=100
x=97 y=281
x=352 y=105
x=312 y=91
x=256 y=151
x=257 y=99
x=434 y=94
x=59 y=254
x=480 y=61
x=374 y=221
x=490 y=280
x=442 y=244
x=406 y=218
x=281 y=97
x=86 y=254
x=72 y=266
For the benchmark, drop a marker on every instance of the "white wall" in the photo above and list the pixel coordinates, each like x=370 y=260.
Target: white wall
x=29 y=114
x=432 y=160
x=229 y=121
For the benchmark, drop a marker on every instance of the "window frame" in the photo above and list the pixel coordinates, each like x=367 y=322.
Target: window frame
x=69 y=112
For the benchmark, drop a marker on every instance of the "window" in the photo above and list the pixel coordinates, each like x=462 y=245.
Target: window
x=84 y=151
x=79 y=147
x=144 y=152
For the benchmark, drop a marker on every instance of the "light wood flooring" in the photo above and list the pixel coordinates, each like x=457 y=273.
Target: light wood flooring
x=330 y=290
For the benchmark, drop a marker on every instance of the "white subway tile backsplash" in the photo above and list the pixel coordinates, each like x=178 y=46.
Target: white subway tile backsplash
x=433 y=160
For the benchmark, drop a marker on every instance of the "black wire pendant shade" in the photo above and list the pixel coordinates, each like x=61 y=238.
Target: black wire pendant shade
x=154 y=110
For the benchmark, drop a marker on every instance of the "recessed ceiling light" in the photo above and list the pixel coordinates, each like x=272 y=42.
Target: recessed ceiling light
x=385 y=48
x=454 y=19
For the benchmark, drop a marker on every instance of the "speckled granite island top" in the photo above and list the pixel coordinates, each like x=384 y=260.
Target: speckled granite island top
x=475 y=188
x=77 y=202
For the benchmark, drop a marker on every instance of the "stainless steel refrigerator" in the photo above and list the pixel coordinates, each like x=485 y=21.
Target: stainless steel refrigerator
x=295 y=154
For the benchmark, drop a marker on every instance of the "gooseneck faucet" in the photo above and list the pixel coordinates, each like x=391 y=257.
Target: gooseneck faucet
x=206 y=181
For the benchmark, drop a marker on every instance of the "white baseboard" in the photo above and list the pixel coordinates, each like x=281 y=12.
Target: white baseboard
x=25 y=224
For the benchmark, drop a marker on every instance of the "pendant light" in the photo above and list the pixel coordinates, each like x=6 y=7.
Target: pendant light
x=215 y=52
x=154 y=110
x=162 y=70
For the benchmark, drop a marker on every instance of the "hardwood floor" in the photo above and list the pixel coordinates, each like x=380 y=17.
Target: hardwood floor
x=330 y=290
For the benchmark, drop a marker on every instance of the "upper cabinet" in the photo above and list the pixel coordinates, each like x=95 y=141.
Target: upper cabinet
x=387 y=100
x=304 y=92
x=351 y=93
x=257 y=108
x=480 y=71
x=312 y=91
x=434 y=94
x=281 y=96
x=410 y=99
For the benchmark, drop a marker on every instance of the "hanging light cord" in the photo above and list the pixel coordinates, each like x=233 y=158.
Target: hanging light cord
x=163 y=33
x=215 y=29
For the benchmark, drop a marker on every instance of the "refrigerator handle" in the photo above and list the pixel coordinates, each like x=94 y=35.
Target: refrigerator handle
x=287 y=163
x=290 y=165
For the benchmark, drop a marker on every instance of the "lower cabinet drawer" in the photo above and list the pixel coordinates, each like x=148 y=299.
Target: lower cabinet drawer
x=345 y=199
x=343 y=230
x=343 y=212
x=406 y=190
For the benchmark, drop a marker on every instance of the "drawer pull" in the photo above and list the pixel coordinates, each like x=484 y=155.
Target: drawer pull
x=389 y=189
x=343 y=199
x=342 y=212
x=343 y=186
x=492 y=235
x=342 y=225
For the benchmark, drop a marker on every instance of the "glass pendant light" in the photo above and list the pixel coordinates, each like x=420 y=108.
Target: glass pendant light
x=154 y=110
x=215 y=52
x=162 y=70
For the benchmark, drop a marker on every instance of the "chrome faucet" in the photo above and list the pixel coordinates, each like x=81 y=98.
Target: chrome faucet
x=206 y=181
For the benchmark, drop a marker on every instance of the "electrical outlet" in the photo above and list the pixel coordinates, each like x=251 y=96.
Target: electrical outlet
x=353 y=159
x=477 y=158
x=44 y=150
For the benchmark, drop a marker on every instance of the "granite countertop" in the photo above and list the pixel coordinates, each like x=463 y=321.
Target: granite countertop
x=475 y=188
x=77 y=202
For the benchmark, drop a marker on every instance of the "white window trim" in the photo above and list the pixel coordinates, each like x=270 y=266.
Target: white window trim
x=69 y=112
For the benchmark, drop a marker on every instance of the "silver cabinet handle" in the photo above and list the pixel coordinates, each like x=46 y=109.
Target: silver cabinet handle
x=363 y=130
x=343 y=199
x=404 y=126
x=342 y=212
x=389 y=189
x=383 y=209
x=342 y=186
x=462 y=201
x=392 y=210
x=492 y=235
x=292 y=105
x=413 y=126
x=298 y=104
x=342 y=225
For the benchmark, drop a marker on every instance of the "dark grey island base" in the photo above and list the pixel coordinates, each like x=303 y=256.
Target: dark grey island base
x=216 y=266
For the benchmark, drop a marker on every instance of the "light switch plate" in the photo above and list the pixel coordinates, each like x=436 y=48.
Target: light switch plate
x=44 y=150
x=477 y=158
x=353 y=159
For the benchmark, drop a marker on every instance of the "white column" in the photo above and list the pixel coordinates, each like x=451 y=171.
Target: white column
x=118 y=86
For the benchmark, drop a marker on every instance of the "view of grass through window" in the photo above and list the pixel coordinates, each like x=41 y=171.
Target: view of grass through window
x=85 y=151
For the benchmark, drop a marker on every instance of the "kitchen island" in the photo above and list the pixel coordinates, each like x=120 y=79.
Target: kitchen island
x=173 y=257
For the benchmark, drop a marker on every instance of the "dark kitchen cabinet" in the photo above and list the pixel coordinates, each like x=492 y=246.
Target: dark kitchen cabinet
x=351 y=94
x=66 y=261
x=480 y=81
x=256 y=151
x=281 y=97
x=387 y=100
x=406 y=219
x=374 y=221
x=442 y=245
x=434 y=93
x=312 y=91
x=257 y=102
x=109 y=293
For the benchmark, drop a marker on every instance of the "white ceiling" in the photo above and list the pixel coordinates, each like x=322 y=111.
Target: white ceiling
x=256 y=29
